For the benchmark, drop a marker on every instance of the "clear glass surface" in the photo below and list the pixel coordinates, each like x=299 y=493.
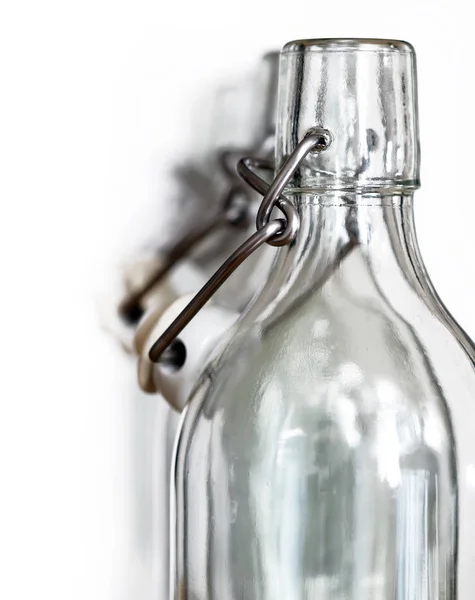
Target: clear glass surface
x=327 y=451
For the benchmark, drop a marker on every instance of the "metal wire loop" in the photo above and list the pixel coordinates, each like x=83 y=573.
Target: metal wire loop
x=277 y=232
x=316 y=140
x=212 y=285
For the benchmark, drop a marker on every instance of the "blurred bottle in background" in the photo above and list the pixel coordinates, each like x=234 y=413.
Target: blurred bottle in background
x=242 y=122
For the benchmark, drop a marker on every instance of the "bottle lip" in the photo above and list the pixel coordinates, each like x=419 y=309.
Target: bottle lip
x=348 y=45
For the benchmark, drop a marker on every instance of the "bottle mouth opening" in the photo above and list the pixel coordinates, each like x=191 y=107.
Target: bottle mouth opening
x=348 y=45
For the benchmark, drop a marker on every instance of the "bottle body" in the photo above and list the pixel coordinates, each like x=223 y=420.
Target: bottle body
x=326 y=453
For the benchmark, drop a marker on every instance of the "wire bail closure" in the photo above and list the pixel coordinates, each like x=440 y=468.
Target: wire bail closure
x=276 y=232
x=233 y=212
x=316 y=140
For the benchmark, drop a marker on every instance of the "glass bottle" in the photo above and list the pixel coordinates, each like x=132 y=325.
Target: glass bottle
x=209 y=254
x=326 y=452
x=151 y=423
x=258 y=122
x=236 y=127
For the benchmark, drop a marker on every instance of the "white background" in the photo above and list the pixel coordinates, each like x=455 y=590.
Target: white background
x=98 y=100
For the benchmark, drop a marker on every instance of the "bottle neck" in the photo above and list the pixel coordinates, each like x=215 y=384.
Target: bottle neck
x=364 y=93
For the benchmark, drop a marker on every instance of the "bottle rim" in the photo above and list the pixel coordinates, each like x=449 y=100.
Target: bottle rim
x=348 y=45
